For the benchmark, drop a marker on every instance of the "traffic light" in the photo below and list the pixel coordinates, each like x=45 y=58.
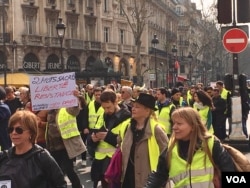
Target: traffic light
x=243 y=11
x=228 y=82
x=224 y=8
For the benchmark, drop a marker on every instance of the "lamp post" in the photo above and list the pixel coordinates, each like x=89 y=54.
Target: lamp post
x=190 y=58
x=60 y=28
x=14 y=46
x=162 y=71
x=174 y=51
x=155 y=41
x=3 y=38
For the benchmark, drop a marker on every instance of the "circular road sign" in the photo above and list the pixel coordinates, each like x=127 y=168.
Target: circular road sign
x=235 y=40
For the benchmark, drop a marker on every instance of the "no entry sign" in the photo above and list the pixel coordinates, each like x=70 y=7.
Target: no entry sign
x=235 y=40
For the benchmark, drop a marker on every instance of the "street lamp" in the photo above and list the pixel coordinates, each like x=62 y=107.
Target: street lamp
x=155 y=41
x=190 y=59
x=3 y=38
x=14 y=46
x=174 y=51
x=60 y=28
x=162 y=71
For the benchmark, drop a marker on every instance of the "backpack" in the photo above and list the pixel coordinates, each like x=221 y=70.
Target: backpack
x=241 y=162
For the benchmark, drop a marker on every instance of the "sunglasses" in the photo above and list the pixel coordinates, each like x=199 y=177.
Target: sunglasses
x=18 y=130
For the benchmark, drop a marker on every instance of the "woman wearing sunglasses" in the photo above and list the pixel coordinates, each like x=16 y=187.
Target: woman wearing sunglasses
x=27 y=165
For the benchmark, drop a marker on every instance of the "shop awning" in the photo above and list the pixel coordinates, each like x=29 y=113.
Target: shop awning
x=182 y=79
x=15 y=79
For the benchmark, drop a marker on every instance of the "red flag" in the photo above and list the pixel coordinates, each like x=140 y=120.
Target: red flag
x=176 y=65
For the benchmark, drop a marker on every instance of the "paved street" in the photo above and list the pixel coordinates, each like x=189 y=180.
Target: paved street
x=84 y=172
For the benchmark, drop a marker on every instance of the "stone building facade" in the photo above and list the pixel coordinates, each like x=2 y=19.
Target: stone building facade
x=98 y=41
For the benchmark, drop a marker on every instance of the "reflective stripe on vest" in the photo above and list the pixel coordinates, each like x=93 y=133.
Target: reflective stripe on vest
x=153 y=148
x=199 y=173
x=93 y=115
x=67 y=124
x=105 y=149
x=164 y=118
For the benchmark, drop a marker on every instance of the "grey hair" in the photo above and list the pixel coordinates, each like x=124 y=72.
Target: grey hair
x=128 y=89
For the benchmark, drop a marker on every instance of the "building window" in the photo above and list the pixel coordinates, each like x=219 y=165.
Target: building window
x=90 y=4
x=52 y=27
x=106 y=34
x=182 y=69
x=121 y=10
x=72 y=30
x=90 y=32
x=122 y=36
x=52 y=2
x=71 y=2
x=1 y=24
x=105 y=5
x=29 y=25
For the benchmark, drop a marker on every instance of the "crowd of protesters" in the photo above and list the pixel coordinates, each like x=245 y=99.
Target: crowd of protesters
x=143 y=122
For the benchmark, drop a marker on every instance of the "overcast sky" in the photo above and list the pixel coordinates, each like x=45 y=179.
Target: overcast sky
x=206 y=2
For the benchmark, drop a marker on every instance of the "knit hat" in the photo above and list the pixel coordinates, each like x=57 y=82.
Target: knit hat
x=174 y=91
x=2 y=93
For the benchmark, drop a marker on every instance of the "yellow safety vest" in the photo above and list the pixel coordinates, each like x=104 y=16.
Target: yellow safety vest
x=67 y=124
x=104 y=149
x=164 y=118
x=189 y=97
x=203 y=114
x=224 y=94
x=180 y=101
x=200 y=173
x=93 y=115
x=153 y=148
x=88 y=99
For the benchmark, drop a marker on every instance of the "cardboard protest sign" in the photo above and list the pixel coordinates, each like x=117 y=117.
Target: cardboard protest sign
x=52 y=91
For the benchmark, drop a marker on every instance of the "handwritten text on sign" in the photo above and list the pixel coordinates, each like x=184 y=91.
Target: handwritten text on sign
x=53 y=91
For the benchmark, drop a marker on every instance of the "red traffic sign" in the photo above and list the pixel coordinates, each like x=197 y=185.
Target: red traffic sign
x=235 y=40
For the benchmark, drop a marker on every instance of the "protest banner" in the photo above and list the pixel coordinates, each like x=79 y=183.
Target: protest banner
x=53 y=91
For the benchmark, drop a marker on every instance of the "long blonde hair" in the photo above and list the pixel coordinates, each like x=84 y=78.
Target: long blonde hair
x=199 y=133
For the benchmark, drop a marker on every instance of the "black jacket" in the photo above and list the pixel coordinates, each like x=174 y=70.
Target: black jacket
x=33 y=169
x=220 y=156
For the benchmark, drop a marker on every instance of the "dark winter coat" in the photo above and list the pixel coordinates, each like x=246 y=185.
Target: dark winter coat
x=33 y=169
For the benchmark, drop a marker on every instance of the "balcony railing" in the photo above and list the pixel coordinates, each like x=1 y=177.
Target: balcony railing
x=142 y=50
x=92 y=45
x=183 y=28
x=123 y=48
x=183 y=43
x=32 y=40
x=52 y=41
x=5 y=37
x=110 y=47
x=74 y=43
